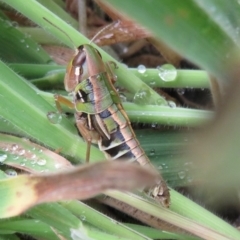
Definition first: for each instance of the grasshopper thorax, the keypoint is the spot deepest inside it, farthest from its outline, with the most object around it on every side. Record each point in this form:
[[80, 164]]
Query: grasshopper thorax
[[86, 62]]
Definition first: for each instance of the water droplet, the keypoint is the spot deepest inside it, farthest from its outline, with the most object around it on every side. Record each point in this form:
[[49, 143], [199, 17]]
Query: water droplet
[[152, 152], [152, 83], [6, 149], [123, 97], [40, 150], [33, 156], [172, 104], [54, 117], [14, 147], [83, 217], [153, 125], [3, 157], [160, 167], [181, 91], [15, 157], [11, 172], [22, 163], [167, 72], [189, 179], [22, 40], [142, 96], [21, 152], [41, 162], [141, 69], [15, 24], [159, 102], [182, 174], [33, 161]]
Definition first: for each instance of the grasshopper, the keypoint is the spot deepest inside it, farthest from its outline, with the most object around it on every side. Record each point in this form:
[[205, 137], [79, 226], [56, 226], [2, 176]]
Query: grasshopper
[[100, 117], [99, 114]]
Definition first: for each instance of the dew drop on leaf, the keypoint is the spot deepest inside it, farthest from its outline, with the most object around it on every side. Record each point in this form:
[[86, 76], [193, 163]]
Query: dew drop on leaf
[[54, 117], [181, 91], [172, 104], [123, 97], [167, 72], [152, 152], [10, 172], [3, 157], [83, 217], [41, 162], [15, 24], [14, 147], [21, 152], [142, 96], [15, 157], [141, 69], [182, 174]]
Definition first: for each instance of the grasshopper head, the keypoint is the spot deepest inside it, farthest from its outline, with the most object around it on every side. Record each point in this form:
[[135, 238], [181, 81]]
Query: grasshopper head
[[86, 62]]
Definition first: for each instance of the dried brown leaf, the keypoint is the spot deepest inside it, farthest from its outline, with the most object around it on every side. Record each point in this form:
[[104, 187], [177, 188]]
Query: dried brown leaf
[[81, 183]]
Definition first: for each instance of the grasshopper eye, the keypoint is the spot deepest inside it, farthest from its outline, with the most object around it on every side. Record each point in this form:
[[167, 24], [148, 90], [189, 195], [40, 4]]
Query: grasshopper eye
[[79, 59]]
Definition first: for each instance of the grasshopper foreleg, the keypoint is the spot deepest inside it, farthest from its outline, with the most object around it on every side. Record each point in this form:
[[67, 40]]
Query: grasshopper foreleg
[[60, 100], [83, 122]]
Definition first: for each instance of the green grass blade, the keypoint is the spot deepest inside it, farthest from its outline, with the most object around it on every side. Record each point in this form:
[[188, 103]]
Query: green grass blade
[[205, 224], [17, 47], [65, 32], [185, 78], [158, 234], [199, 38], [67, 224], [97, 219], [225, 14], [56, 9], [24, 108], [32, 227], [153, 114]]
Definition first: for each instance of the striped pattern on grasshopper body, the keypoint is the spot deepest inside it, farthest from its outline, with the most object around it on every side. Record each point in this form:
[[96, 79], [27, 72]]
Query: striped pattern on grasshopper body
[[100, 117]]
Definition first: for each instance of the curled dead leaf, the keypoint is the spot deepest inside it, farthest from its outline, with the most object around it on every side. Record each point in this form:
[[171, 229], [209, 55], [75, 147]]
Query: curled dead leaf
[[79, 183]]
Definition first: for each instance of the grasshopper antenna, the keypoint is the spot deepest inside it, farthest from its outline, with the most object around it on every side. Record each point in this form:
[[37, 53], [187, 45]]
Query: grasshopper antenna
[[61, 31], [103, 29]]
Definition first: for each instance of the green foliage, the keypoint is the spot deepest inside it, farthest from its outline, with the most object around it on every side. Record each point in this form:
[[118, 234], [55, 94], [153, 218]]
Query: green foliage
[[204, 31]]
